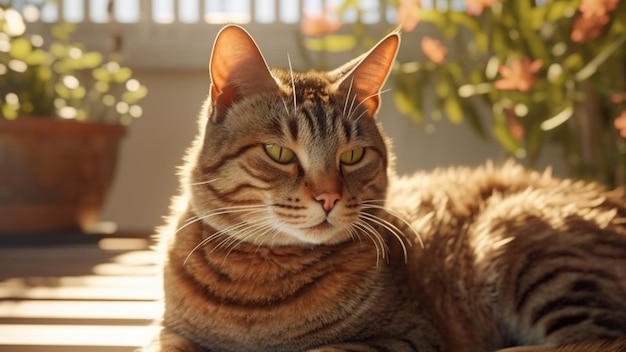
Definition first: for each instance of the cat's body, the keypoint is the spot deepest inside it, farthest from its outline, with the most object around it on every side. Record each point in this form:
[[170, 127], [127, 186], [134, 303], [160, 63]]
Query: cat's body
[[513, 257], [290, 236]]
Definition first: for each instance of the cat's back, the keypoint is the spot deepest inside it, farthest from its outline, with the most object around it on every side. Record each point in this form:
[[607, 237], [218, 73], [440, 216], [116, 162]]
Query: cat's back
[[462, 195], [508, 255]]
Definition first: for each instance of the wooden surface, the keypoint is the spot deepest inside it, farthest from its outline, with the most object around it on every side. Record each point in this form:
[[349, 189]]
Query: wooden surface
[[96, 295]]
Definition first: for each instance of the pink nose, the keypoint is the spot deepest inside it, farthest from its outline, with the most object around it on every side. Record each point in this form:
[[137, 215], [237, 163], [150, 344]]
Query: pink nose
[[328, 200]]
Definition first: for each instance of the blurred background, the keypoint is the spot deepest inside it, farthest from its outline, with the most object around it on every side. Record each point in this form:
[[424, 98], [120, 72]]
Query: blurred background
[[166, 45]]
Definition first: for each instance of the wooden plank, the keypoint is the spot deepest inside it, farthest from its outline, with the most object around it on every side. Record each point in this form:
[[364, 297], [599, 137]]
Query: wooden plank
[[96, 296], [65, 336], [81, 293], [75, 262], [28, 348], [73, 312]]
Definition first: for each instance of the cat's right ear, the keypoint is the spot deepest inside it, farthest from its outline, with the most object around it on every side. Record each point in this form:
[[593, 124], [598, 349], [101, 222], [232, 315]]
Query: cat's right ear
[[237, 69]]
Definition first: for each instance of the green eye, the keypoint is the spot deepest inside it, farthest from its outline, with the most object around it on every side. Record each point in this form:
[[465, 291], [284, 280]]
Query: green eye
[[280, 154], [353, 156]]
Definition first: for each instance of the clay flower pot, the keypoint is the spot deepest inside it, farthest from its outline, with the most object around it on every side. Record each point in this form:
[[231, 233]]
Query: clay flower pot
[[54, 174]]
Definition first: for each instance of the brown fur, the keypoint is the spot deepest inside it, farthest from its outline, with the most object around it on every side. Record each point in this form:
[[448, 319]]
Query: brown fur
[[322, 252]]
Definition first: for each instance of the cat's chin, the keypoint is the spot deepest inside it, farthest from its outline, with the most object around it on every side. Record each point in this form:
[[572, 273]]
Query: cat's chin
[[320, 234]]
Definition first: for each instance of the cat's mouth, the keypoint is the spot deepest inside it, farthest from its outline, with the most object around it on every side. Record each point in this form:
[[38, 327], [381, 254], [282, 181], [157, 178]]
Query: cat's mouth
[[322, 226]]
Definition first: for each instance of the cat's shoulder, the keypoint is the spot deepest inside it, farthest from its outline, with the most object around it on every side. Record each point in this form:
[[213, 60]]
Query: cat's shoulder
[[509, 172]]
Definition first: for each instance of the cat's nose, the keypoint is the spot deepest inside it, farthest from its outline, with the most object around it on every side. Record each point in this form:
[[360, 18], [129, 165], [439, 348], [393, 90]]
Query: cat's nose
[[328, 200]]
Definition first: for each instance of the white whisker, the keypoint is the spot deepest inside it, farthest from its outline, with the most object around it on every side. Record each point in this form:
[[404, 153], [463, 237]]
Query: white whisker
[[395, 214], [203, 182], [285, 105], [351, 110], [293, 84], [395, 231], [220, 211], [370, 232], [366, 99], [254, 230], [248, 209], [345, 105]]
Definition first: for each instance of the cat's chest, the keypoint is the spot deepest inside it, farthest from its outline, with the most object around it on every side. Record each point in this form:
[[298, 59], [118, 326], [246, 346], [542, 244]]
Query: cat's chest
[[262, 295]]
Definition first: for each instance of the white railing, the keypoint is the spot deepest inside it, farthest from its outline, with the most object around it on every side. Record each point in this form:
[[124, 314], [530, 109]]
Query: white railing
[[187, 11], [208, 11]]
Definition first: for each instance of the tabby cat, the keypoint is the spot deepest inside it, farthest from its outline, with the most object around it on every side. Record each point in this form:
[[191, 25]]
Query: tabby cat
[[292, 232]]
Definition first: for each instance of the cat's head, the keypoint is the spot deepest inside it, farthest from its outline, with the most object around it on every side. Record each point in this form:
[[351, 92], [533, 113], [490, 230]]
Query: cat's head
[[290, 158]]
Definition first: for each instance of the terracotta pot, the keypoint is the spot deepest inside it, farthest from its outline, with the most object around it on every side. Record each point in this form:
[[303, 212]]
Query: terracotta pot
[[54, 174]]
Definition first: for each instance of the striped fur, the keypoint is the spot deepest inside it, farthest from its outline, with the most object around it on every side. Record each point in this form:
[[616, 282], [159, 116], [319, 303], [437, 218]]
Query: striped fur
[[327, 251]]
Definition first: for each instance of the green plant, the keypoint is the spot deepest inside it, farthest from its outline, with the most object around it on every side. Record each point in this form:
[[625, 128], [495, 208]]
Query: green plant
[[548, 72], [61, 79]]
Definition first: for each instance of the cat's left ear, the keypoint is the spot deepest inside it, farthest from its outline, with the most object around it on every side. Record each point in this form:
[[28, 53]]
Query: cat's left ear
[[365, 76], [237, 69]]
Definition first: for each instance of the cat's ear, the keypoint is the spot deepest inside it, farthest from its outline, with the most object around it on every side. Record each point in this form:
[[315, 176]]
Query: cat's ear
[[237, 69], [366, 75]]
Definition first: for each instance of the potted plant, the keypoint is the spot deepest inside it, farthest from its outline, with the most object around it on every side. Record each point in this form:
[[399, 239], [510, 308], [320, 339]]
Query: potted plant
[[63, 112], [542, 72]]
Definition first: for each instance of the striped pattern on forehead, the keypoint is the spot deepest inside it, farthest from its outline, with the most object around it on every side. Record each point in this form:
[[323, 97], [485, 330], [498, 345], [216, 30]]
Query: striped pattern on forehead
[[321, 116]]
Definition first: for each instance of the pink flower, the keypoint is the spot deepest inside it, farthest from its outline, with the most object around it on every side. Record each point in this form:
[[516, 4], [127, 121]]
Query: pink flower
[[620, 124], [597, 8], [320, 23], [434, 50], [588, 28], [594, 15], [520, 75], [476, 7], [408, 14]]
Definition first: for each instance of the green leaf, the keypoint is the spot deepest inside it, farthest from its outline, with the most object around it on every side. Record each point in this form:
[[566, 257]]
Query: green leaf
[[62, 31], [132, 97], [538, 16], [442, 88], [36, 57], [503, 135], [573, 62], [453, 109], [592, 67], [557, 10], [63, 91], [101, 74], [331, 43], [44, 73], [102, 86], [471, 23], [8, 112], [123, 75], [436, 18], [405, 105], [58, 49], [91, 59], [20, 48]]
